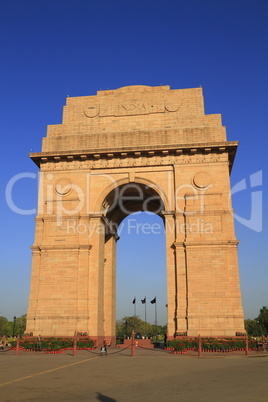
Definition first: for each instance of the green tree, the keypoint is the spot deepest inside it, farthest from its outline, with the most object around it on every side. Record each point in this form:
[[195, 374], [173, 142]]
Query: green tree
[[20, 325], [125, 327], [262, 320], [8, 328], [134, 323], [253, 328], [3, 321]]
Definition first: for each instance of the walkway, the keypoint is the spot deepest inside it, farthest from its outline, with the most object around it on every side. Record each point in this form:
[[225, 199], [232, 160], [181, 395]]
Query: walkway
[[149, 376]]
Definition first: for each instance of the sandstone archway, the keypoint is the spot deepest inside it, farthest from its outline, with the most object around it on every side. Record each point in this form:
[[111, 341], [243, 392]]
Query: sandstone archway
[[138, 141]]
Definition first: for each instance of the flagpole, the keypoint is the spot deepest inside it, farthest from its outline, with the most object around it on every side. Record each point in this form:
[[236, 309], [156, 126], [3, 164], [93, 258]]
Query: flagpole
[[145, 321], [134, 302], [155, 313], [155, 310], [145, 318]]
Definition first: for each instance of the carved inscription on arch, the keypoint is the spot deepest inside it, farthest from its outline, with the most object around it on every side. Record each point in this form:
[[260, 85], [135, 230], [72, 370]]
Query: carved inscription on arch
[[131, 108]]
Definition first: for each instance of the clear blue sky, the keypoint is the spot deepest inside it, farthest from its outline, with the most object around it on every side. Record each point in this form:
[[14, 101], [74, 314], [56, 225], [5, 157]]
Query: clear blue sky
[[51, 49]]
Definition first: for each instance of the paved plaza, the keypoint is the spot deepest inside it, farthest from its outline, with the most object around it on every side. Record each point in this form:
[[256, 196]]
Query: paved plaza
[[153, 375]]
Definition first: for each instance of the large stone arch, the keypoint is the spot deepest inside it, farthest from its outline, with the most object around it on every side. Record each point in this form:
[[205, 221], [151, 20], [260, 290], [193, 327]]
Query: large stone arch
[[100, 204], [160, 141], [132, 197]]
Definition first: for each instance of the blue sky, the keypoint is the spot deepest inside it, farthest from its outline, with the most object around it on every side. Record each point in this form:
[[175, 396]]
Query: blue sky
[[51, 49]]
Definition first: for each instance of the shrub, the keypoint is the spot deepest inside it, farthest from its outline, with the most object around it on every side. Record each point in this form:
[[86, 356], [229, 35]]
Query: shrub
[[52, 343], [212, 343]]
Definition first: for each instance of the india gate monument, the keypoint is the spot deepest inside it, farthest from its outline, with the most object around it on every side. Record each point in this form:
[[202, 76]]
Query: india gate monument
[[136, 148]]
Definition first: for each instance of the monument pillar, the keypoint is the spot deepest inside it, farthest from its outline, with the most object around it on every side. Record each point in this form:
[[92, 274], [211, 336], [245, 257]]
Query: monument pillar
[[95, 294], [109, 300]]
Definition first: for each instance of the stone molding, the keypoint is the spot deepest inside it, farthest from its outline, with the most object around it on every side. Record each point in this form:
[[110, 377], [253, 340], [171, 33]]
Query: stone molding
[[69, 247], [206, 243], [194, 153]]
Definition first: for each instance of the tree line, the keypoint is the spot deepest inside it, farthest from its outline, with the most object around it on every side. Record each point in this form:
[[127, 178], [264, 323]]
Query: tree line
[[258, 326], [12, 328], [126, 325]]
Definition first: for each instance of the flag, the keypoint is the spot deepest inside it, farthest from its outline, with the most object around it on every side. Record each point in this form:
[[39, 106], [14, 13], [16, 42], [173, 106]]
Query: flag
[[143, 300], [134, 300], [154, 300]]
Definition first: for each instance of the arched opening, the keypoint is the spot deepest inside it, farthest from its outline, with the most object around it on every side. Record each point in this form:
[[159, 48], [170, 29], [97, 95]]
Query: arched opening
[[134, 217], [141, 270], [131, 197]]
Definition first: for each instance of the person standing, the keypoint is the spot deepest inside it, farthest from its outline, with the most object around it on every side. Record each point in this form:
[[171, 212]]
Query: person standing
[[39, 343]]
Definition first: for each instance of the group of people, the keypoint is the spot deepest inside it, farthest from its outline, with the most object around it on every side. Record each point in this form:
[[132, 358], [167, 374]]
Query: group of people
[[3, 342]]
